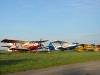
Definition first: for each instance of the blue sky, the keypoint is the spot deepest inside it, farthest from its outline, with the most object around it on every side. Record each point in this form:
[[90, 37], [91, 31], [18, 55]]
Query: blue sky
[[75, 20]]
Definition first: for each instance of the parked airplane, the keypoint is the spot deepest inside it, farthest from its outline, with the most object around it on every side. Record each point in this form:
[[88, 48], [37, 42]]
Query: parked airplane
[[19, 45], [62, 45]]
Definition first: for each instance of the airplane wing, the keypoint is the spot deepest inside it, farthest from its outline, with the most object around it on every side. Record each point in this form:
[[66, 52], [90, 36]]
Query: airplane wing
[[59, 41], [21, 49], [20, 41], [6, 46], [12, 41], [39, 41]]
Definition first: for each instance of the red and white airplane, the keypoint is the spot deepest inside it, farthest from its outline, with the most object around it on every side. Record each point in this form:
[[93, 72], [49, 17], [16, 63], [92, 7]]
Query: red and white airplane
[[19, 45]]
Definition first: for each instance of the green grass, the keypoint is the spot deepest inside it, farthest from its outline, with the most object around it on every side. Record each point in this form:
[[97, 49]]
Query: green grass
[[14, 62]]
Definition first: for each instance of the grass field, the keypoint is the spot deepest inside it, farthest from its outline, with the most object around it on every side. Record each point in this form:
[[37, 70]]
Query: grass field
[[14, 62]]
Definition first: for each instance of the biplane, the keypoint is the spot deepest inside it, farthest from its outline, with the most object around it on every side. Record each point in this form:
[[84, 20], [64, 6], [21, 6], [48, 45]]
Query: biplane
[[20, 45], [62, 45]]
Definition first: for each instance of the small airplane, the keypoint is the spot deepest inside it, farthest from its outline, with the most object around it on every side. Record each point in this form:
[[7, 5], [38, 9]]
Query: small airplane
[[19, 45], [62, 45]]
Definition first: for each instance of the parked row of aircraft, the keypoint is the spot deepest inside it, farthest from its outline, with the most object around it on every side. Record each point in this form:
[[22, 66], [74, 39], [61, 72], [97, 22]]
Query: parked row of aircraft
[[20, 45]]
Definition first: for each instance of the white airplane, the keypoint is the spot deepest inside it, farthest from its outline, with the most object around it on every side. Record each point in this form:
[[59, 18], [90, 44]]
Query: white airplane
[[62, 45]]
